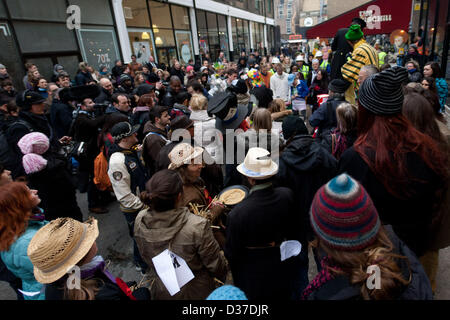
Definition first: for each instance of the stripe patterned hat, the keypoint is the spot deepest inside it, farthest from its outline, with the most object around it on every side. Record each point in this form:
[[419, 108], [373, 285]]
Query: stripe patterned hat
[[343, 215], [382, 93]]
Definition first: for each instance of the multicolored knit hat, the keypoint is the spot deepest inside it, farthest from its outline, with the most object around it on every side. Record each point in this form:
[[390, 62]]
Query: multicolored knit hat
[[343, 215], [255, 78]]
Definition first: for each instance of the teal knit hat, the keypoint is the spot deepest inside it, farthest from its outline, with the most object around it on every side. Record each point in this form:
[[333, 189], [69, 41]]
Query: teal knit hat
[[227, 292], [354, 33]]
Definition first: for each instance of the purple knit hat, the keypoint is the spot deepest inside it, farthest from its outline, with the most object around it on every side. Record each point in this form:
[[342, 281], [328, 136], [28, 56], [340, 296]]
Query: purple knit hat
[[343, 215], [34, 142]]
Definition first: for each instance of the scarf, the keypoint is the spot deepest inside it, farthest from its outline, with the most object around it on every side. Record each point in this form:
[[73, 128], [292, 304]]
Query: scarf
[[321, 278], [341, 144]]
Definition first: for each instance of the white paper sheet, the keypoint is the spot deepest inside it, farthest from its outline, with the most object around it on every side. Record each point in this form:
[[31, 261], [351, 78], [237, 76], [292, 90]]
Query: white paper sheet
[[172, 270], [290, 248]]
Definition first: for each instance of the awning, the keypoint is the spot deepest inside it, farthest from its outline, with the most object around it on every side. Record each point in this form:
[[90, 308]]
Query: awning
[[381, 16]]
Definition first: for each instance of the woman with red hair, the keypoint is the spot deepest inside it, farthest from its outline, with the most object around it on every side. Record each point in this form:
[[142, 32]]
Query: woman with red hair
[[402, 169], [20, 219]]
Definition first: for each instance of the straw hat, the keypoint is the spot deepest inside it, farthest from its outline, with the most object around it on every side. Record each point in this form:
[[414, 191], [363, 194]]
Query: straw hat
[[183, 153], [258, 165], [60, 245]]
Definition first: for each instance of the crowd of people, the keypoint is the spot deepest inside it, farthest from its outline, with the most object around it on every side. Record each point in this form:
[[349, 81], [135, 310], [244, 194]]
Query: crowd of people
[[348, 158]]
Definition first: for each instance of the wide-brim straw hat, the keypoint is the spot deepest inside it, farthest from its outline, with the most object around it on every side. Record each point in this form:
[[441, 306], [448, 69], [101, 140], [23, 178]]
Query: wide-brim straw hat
[[258, 164], [60, 245], [183, 153]]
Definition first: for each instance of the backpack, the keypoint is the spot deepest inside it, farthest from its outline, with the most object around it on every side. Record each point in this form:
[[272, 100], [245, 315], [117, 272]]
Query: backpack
[[7, 154], [101, 178]]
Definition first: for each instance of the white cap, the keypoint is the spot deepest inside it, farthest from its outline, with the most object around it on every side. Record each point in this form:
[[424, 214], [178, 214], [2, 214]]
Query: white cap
[[275, 60], [319, 54], [299, 58]]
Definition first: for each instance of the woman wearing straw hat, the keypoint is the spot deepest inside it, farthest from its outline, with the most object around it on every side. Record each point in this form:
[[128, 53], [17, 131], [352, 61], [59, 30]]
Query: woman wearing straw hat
[[353, 243], [256, 228], [188, 162], [168, 224], [20, 219], [65, 247]]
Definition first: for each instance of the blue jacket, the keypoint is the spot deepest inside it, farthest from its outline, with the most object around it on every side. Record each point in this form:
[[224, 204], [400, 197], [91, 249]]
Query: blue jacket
[[17, 261], [442, 90], [302, 89]]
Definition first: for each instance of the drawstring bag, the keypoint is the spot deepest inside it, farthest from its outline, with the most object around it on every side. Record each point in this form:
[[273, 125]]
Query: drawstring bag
[[101, 178]]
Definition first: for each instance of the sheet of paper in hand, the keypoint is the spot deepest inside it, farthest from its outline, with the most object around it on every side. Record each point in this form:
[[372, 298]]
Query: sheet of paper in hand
[[172, 270], [290, 248]]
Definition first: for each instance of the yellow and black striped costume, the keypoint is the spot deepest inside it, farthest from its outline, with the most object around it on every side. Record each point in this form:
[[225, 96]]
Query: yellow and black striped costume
[[363, 54]]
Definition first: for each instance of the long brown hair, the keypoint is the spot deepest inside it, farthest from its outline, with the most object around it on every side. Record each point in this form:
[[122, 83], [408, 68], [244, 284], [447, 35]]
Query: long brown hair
[[15, 207], [355, 265], [384, 142]]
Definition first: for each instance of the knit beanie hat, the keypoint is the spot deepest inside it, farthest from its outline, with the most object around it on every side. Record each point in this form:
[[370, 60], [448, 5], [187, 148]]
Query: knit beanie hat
[[382, 93], [227, 292], [343, 215], [34, 142], [32, 146], [354, 33]]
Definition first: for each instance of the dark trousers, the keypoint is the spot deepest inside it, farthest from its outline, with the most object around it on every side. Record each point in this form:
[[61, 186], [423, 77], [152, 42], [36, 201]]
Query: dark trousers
[[130, 217], [96, 198]]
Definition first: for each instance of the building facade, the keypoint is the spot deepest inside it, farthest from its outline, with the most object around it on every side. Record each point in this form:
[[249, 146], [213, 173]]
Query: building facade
[[44, 32]]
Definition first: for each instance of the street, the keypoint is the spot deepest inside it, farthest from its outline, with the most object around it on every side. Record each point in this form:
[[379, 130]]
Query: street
[[115, 245]]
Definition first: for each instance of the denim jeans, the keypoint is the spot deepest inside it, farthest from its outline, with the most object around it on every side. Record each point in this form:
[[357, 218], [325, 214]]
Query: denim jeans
[[130, 217]]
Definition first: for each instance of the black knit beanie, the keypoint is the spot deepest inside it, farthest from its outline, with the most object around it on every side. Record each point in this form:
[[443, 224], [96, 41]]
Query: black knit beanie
[[382, 93]]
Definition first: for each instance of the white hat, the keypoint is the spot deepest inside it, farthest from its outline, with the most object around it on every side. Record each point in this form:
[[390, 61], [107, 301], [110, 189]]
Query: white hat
[[275, 60], [319, 54], [258, 165], [299, 58], [182, 154]]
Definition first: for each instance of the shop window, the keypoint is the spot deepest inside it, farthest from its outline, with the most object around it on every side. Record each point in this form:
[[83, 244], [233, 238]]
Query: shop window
[[164, 38], [213, 35], [43, 37], [184, 46], [98, 47], [223, 35], [142, 42], [95, 12], [180, 17], [202, 33], [43, 10], [160, 14], [70, 64], [136, 14]]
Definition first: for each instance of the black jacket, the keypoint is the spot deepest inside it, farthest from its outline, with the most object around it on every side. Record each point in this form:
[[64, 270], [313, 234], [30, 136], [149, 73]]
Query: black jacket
[[104, 97], [108, 290], [325, 116], [169, 98], [61, 118], [178, 73], [83, 78], [410, 217], [265, 216], [340, 49], [86, 128], [37, 123], [304, 167], [56, 189], [340, 288]]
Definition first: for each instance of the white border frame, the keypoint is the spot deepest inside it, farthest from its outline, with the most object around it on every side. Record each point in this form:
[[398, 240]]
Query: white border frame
[[150, 30], [190, 40], [80, 40]]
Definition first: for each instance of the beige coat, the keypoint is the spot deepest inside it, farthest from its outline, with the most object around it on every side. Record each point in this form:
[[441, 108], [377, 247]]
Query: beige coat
[[191, 238]]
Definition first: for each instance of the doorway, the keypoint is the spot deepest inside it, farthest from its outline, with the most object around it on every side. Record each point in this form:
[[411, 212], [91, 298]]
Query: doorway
[[165, 55]]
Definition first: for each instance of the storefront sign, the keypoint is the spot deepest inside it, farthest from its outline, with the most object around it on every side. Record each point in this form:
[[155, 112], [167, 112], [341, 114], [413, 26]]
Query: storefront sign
[[98, 47]]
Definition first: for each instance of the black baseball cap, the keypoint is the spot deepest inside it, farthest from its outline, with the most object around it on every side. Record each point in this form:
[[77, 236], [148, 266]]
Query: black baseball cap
[[28, 98]]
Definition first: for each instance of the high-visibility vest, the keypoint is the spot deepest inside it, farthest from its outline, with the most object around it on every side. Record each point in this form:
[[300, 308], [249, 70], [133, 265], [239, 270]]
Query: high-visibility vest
[[381, 57], [324, 65], [305, 71]]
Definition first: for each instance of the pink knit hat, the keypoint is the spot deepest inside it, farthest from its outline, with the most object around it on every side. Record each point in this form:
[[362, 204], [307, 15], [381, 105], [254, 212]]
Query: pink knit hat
[[34, 142], [32, 146], [189, 68], [33, 163]]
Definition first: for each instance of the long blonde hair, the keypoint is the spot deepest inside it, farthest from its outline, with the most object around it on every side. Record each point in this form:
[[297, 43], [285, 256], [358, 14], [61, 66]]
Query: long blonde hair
[[355, 265]]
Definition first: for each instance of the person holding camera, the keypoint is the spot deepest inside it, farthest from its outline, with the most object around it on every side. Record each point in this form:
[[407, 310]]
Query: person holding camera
[[85, 130]]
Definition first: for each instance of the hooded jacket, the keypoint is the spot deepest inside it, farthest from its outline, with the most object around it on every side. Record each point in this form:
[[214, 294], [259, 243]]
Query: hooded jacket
[[304, 167], [154, 140], [190, 237]]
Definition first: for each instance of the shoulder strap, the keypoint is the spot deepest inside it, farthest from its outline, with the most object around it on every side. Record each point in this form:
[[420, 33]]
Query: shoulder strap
[[23, 123], [164, 138]]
